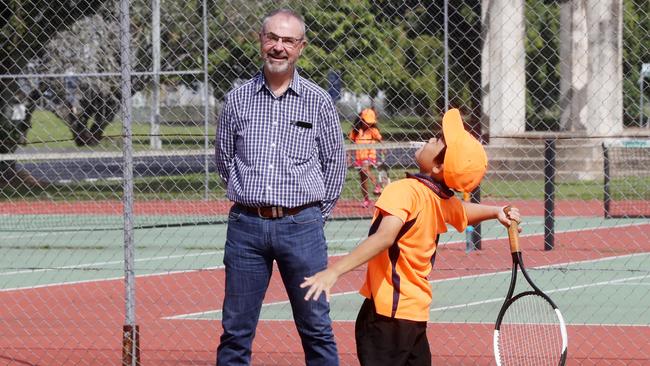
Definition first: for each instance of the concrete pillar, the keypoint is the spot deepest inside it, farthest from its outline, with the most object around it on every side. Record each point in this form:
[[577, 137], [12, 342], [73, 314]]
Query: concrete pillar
[[503, 66], [605, 89], [574, 66]]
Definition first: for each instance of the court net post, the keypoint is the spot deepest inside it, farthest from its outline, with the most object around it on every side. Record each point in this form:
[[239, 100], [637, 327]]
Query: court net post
[[475, 197], [549, 193]]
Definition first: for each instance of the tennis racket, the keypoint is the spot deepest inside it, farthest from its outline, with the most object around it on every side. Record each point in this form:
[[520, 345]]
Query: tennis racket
[[530, 329]]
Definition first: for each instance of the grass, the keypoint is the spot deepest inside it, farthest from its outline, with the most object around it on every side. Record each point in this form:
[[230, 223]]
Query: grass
[[399, 128], [50, 132], [534, 189], [192, 187]]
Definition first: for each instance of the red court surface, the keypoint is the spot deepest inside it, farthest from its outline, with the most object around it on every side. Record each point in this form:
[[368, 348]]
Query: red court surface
[[81, 324]]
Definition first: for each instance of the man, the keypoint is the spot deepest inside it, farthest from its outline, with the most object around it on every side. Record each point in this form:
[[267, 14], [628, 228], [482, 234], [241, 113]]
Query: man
[[279, 149]]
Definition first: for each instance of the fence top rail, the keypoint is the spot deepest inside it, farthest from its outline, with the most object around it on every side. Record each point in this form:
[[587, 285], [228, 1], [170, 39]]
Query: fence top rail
[[628, 143], [98, 74], [101, 154], [44, 155]]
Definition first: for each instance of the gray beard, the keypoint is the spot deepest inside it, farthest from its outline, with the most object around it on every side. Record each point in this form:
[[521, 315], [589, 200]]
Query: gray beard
[[277, 68]]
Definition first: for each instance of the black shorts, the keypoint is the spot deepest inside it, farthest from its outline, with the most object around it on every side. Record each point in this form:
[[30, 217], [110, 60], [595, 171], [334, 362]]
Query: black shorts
[[382, 340]]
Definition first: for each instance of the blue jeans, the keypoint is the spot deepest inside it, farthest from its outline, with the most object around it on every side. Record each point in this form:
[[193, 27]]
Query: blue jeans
[[297, 244]]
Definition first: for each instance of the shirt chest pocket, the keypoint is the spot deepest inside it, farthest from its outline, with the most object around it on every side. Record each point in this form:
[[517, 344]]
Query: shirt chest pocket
[[299, 140], [252, 140]]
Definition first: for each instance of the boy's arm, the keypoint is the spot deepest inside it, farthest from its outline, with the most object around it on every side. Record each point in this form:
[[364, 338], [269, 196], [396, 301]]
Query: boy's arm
[[477, 212], [383, 238]]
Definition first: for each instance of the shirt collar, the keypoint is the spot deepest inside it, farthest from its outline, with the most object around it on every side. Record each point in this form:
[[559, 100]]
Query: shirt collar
[[295, 85], [438, 188]]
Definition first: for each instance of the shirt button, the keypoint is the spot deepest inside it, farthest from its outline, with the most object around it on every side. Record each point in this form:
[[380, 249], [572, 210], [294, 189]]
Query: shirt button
[[275, 123], [273, 145], [268, 188], [270, 166]]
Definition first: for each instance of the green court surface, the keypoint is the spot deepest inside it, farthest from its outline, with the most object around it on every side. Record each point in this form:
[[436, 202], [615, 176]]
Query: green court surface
[[583, 291], [63, 252]]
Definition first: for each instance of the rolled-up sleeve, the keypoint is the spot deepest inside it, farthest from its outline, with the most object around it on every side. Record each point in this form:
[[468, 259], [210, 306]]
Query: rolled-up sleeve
[[224, 145], [332, 157]]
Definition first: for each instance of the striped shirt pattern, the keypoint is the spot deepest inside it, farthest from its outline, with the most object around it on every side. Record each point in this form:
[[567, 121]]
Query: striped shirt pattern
[[280, 151]]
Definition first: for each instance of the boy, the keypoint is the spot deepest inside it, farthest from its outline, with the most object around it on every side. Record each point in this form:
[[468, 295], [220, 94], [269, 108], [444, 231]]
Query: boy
[[410, 214]]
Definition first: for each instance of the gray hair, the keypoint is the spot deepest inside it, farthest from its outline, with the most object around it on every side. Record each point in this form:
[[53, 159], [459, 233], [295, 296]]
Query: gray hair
[[287, 12]]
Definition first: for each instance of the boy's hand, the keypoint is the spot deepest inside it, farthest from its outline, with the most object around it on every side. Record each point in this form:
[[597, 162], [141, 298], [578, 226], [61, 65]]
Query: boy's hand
[[505, 218], [382, 239], [318, 283]]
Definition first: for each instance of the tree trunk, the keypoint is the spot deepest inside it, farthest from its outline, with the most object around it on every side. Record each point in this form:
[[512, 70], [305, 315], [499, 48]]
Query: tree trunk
[[19, 46]]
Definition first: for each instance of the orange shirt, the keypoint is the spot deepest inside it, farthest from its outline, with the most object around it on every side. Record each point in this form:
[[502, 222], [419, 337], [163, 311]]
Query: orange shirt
[[366, 136], [396, 278]]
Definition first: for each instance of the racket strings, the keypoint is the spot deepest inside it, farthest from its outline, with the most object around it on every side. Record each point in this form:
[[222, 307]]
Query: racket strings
[[530, 333]]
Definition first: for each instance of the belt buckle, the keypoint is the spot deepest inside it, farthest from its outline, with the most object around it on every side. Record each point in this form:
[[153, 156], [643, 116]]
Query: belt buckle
[[259, 213], [276, 212]]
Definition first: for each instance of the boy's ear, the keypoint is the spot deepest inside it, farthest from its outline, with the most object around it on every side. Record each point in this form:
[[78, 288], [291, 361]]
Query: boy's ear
[[437, 168]]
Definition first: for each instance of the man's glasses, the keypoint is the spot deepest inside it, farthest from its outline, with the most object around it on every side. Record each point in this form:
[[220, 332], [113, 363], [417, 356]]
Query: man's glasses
[[287, 42]]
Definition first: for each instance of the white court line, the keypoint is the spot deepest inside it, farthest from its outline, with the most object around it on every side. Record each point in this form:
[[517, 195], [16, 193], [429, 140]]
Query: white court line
[[77, 266], [73, 230], [505, 235], [190, 315], [219, 267], [23, 236], [110, 278], [602, 283], [121, 278]]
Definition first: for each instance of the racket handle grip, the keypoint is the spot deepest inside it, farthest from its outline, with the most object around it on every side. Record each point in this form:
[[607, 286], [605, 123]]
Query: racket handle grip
[[513, 232]]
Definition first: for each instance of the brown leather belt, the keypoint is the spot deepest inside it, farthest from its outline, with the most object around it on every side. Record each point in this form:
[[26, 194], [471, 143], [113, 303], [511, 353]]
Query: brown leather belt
[[273, 212]]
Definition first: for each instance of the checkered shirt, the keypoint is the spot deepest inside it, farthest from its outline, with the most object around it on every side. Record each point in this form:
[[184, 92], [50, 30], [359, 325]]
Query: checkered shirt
[[280, 151]]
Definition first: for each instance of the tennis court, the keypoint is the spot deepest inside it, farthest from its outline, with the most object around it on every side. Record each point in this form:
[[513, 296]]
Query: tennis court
[[112, 215], [602, 291]]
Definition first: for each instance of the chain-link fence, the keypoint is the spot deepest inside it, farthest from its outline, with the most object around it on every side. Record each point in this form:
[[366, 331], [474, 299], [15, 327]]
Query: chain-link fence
[[113, 219]]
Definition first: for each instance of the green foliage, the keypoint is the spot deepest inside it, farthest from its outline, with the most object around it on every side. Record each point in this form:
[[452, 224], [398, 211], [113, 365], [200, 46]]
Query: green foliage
[[383, 45], [396, 47], [636, 51], [371, 52], [26, 27]]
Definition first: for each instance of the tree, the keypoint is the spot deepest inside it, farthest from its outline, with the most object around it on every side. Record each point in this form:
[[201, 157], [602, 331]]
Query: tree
[[425, 23], [636, 17], [372, 51], [89, 46], [27, 26]]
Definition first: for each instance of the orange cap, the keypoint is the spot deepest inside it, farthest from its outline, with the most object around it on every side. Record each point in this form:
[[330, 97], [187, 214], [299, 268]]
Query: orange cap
[[368, 116], [465, 160]]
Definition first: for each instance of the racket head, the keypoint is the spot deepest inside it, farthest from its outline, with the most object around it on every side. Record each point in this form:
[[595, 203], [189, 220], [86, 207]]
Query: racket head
[[530, 330]]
